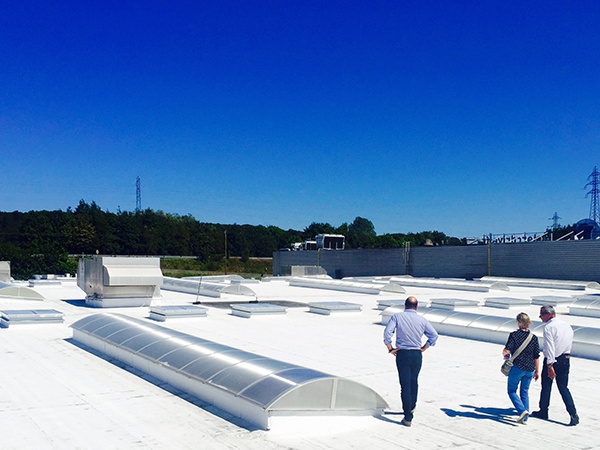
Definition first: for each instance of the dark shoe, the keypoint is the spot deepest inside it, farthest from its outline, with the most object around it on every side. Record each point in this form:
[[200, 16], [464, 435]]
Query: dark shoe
[[540, 415], [574, 420], [406, 423]]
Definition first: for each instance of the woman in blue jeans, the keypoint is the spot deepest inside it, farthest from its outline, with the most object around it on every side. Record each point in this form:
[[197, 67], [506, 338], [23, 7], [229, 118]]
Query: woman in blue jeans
[[525, 366]]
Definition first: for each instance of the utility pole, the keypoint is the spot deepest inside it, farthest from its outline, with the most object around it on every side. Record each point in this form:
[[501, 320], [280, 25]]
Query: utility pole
[[594, 182], [225, 252], [555, 220], [138, 195]]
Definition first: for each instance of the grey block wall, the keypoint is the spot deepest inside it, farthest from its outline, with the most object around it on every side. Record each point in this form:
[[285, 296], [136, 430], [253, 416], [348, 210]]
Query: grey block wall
[[449, 262], [344, 263], [567, 260]]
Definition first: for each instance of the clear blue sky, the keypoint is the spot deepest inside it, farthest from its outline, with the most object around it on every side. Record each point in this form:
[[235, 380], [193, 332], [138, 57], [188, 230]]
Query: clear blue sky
[[466, 117]]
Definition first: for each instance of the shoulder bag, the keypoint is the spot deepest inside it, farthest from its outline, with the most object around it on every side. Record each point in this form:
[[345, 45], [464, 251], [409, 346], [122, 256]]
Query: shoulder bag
[[507, 365]]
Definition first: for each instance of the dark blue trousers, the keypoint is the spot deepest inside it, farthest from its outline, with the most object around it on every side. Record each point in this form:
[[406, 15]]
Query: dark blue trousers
[[561, 368], [409, 364]]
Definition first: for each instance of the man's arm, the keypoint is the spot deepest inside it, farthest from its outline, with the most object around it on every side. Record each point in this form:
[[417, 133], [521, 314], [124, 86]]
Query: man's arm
[[388, 333], [431, 334], [550, 349], [549, 344]]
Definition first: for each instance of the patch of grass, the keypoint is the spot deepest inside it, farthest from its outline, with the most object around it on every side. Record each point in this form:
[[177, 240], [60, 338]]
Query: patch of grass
[[251, 268]]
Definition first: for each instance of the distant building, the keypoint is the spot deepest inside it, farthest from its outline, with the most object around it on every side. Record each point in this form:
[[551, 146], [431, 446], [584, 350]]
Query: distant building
[[309, 245], [330, 241]]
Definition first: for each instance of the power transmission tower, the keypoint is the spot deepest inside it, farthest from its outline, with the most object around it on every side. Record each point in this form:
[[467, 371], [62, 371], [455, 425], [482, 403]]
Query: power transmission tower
[[138, 194], [555, 220], [594, 182]]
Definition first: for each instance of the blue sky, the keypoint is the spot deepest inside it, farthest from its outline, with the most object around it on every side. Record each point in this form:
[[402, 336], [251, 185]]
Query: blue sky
[[468, 117]]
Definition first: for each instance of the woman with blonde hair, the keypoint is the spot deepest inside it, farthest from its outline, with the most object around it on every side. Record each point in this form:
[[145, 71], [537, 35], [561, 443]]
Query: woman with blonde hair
[[525, 365]]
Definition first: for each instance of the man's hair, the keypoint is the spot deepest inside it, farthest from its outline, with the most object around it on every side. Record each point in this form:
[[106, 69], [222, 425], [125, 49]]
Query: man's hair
[[549, 309], [411, 303]]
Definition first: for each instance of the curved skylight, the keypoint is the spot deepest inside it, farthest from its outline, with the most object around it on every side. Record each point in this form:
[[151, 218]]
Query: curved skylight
[[586, 340], [205, 288], [245, 384], [15, 291]]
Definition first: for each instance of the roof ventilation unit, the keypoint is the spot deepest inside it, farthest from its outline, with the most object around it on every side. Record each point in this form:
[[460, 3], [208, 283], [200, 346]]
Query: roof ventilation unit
[[115, 281]]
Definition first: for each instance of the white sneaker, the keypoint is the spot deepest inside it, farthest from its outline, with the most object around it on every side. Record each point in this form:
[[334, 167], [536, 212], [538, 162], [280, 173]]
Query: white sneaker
[[522, 418]]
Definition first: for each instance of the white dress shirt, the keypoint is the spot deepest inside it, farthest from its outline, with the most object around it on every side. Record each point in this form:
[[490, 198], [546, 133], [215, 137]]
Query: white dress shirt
[[558, 338]]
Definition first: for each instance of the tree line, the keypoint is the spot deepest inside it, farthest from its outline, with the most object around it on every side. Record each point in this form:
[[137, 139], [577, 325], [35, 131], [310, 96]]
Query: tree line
[[38, 242]]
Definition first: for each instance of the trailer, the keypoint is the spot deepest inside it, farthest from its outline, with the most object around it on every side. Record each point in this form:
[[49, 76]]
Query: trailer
[[330, 241]]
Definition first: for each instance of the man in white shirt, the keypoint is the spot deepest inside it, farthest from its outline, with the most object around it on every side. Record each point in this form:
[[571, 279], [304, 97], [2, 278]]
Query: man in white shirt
[[558, 339], [409, 328]]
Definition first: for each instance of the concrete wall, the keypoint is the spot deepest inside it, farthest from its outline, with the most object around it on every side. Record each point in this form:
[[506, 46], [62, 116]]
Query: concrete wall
[[567, 260]]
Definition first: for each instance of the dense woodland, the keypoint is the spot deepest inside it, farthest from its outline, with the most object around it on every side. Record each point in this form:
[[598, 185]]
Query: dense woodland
[[38, 242]]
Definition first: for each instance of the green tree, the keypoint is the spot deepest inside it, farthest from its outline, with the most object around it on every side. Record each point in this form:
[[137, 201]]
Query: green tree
[[388, 241], [315, 228], [361, 233]]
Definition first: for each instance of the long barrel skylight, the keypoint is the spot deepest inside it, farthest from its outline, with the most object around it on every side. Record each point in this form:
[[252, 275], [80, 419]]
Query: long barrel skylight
[[244, 384]]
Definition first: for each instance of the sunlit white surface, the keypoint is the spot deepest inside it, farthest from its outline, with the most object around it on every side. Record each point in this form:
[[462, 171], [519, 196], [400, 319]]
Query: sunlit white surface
[[58, 395]]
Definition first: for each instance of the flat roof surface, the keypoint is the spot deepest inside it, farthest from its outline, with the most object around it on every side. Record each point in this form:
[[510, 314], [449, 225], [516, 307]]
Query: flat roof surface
[[55, 393]]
